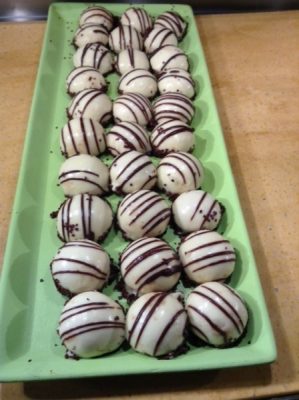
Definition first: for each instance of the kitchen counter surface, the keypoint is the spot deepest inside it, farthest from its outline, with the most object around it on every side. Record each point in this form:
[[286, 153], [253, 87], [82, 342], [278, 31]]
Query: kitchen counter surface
[[254, 63]]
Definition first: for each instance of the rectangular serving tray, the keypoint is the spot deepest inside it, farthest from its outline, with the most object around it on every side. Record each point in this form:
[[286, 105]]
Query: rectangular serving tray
[[29, 303]]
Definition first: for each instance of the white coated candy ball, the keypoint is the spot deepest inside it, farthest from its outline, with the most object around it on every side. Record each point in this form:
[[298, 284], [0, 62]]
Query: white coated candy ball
[[129, 59], [85, 78]]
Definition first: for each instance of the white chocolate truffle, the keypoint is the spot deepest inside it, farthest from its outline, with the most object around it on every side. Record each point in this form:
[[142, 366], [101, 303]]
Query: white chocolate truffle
[[149, 265], [82, 136], [91, 33], [93, 104], [127, 136], [85, 78], [91, 324], [83, 174], [173, 21], [176, 81], [130, 59], [138, 18], [159, 37], [138, 81], [80, 266], [172, 135], [156, 323], [179, 172], [173, 106], [217, 314], [133, 107], [207, 256], [97, 15], [84, 216], [123, 37], [168, 57], [196, 210], [143, 213], [94, 55], [132, 171]]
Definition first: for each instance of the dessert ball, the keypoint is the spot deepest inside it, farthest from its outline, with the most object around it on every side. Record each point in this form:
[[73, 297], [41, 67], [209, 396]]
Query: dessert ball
[[168, 57], [179, 172], [196, 210], [132, 171], [80, 266], [91, 33], [176, 81], [123, 37], [84, 216], [207, 256], [94, 55], [156, 323], [138, 18], [97, 15], [85, 78], [173, 106], [159, 37], [173, 21], [172, 135], [133, 107], [82, 136], [143, 213], [130, 59], [83, 174], [217, 314], [138, 81], [93, 104], [149, 265], [127, 136], [91, 324]]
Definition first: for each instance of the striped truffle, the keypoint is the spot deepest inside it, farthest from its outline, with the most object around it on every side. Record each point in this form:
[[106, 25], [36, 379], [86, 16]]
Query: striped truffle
[[176, 81], [123, 37], [196, 210], [84, 216], [159, 37], [82, 78], [133, 107], [82, 136], [91, 103], [91, 324], [80, 266], [138, 81], [207, 256], [217, 314], [149, 265], [172, 135], [138, 18], [171, 20], [97, 15], [94, 55], [132, 171], [143, 213], [91, 33], [156, 323], [179, 172], [130, 59], [127, 136], [173, 106], [168, 57]]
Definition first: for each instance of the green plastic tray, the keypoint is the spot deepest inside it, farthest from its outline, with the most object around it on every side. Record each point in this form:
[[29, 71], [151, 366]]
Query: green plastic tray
[[29, 303]]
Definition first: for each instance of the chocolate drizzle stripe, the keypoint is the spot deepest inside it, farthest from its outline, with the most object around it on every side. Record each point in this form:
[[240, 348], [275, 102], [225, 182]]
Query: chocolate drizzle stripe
[[134, 172], [199, 204], [202, 246], [87, 245], [146, 207], [123, 103], [94, 136], [146, 183], [169, 74], [72, 138], [77, 171], [131, 198], [94, 303], [151, 196], [95, 12], [211, 255], [84, 135], [233, 292], [86, 309], [207, 215], [137, 246], [163, 266], [163, 163], [199, 332], [172, 114], [72, 76], [159, 137], [190, 164], [163, 215], [138, 136], [80, 262], [92, 326], [212, 264], [198, 233], [173, 57], [77, 272], [128, 165]]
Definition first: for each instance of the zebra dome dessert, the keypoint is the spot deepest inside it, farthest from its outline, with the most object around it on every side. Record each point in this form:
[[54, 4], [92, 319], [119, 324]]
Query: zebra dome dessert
[[82, 78], [159, 37], [124, 37], [97, 15], [172, 21], [138, 81], [173, 106], [138, 18], [133, 107], [168, 57], [130, 59], [94, 55], [91, 33], [176, 81]]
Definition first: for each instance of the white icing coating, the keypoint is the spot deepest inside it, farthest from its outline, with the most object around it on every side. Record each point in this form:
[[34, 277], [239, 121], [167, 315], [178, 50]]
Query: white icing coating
[[83, 174], [94, 55], [129, 59], [84, 216], [80, 266], [179, 172], [196, 210], [138, 18], [82, 136], [85, 78], [127, 136], [143, 213], [173, 21], [159, 37], [124, 37], [91, 33], [168, 57], [138, 81], [132, 171], [207, 256], [176, 81], [172, 135], [217, 314], [173, 106], [91, 324], [155, 323], [149, 265], [97, 15], [91, 103], [133, 107]]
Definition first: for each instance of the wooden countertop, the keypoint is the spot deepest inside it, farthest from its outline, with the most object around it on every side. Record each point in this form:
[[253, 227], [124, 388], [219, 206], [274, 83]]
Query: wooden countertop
[[254, 63]]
